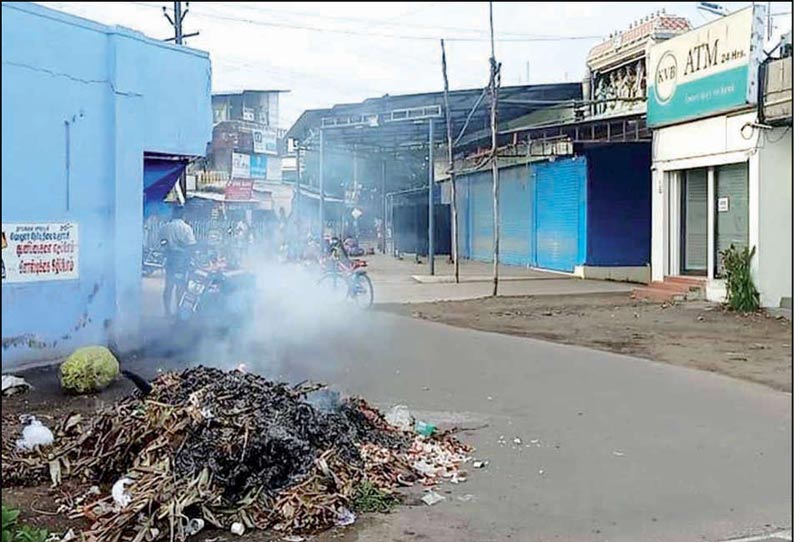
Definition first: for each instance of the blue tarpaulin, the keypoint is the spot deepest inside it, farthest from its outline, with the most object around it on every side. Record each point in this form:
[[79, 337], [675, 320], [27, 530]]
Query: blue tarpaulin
[[159, 177]]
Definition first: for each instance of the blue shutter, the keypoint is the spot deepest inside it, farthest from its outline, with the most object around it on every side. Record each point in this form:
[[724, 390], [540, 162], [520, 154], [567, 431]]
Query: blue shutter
[[515, 210], [560, 220], [481, 217]]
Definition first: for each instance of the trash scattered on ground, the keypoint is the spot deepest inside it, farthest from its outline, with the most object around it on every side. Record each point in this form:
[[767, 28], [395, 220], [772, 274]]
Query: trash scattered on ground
[[238, 528], [433, 498], [13, 384], [618, 453], [293, 538], [517, 441], [425, 429], [89, 369], [479, 464], [234, 450], [541, 472], [194, 526], [466, 498], [34, 435], [400, 417], [345, 517], [121, 496]]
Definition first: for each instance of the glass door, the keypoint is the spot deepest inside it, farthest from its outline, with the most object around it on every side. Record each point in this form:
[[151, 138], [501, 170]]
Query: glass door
[[694, 226]]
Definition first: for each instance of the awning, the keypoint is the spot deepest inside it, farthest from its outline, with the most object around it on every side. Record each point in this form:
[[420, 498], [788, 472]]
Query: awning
[[159, 177]]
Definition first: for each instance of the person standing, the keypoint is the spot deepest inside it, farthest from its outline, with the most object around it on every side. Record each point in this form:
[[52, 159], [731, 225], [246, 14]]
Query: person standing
[[179, 238]]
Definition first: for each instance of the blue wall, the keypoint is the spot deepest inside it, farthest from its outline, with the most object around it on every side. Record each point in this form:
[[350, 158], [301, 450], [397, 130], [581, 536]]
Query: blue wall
[[619, 205], [119, 95]]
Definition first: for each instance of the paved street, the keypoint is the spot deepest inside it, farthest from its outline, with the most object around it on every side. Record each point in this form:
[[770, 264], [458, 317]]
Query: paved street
[[613, 448]]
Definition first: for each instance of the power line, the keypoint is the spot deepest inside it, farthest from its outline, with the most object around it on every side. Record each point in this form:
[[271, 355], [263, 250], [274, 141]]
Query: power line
[[378, 34], [376, 22]]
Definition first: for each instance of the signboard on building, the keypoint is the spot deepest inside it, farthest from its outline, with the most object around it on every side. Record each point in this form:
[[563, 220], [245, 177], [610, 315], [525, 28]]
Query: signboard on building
[[710, 70], [239, 190], [265, 141], [241, 165], [40, 252], [258, 166]]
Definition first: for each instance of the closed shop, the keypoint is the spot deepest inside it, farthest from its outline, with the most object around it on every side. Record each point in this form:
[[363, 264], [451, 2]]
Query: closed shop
[[560, 216], [481, 216], [515, 200]]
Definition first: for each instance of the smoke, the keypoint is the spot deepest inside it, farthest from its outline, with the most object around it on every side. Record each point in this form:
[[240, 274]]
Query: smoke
[[281, 325]]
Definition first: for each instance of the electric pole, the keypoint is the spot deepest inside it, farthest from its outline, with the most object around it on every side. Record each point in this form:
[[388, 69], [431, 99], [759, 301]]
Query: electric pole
[[179, 37], [494, 90], [176, 22]]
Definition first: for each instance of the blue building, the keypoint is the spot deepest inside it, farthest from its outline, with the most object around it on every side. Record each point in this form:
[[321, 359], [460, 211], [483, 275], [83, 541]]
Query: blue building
[[98, 122], [586, 212]]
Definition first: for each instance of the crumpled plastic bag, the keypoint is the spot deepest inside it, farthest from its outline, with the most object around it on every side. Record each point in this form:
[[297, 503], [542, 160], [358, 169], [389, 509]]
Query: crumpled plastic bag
[[121, 496], [400, 417], [88, 369], [13, 384], [35, 434]]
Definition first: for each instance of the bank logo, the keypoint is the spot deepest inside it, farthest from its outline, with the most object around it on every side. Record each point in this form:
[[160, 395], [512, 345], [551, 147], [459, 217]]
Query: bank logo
[[666, 78]]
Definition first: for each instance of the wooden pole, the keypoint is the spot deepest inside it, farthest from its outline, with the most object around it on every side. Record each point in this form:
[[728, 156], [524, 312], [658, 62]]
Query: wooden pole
[[494, 164], [450, 153]]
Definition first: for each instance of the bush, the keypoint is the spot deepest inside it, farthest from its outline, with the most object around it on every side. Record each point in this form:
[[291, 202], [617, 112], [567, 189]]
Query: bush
[[742, 295]]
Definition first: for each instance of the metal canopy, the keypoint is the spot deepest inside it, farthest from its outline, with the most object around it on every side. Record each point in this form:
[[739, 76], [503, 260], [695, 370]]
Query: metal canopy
[[392, 123]]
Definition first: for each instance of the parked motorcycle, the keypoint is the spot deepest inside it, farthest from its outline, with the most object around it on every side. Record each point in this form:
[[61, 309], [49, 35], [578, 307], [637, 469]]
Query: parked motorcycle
[[154, 259], [215, 299]]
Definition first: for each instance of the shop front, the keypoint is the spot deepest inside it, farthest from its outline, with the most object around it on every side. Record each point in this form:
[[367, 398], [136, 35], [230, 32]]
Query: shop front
[[720, 178]]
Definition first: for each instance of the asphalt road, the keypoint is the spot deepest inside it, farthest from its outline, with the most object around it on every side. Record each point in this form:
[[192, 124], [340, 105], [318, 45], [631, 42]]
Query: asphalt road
[[612, 448]]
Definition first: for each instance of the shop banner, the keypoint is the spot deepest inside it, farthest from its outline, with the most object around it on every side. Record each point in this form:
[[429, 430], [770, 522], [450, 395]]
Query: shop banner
[[265, 141], [259, 166], [710, 70], [239, 190], [40, 252], [241, 165]]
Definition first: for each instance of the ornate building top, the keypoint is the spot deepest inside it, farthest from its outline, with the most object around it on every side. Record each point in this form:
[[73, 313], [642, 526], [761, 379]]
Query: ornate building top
[[620, 46]]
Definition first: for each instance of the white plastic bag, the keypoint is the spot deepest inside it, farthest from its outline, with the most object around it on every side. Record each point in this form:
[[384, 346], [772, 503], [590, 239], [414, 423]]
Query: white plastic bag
[[121, 496], [400, 417], [35, 434]]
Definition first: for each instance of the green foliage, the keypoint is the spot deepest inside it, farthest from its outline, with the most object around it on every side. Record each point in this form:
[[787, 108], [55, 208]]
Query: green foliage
[[14, 532], [742, 295], [368, 498]]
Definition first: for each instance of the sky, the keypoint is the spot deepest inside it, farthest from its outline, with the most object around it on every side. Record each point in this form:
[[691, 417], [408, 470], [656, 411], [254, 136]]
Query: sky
[[339, 52]]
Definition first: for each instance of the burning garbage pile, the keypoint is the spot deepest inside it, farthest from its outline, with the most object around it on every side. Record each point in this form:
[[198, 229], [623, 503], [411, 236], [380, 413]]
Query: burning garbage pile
[[232, 450]]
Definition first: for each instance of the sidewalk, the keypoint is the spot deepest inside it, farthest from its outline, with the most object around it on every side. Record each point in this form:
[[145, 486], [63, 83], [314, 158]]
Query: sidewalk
[[404, 281]]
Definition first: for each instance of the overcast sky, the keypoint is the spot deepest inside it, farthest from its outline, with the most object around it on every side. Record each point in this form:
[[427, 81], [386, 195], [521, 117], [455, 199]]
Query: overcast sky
[[334, 52]]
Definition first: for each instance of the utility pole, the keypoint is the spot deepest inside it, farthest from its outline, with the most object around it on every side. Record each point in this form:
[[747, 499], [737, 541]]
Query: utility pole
[[383, 195], [450, 158], [322, 185], [297, 208], [176, 23], [431, 253], [494, 163]]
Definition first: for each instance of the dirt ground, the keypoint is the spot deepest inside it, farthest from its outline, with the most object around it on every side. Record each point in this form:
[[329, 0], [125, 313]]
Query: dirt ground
[[755, 347]]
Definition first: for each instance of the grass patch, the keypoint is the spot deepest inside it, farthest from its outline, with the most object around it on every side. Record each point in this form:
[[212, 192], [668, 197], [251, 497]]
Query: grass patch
[[368, 498]]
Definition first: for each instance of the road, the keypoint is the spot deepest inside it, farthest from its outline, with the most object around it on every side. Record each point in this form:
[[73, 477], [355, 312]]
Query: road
[[612, 448]]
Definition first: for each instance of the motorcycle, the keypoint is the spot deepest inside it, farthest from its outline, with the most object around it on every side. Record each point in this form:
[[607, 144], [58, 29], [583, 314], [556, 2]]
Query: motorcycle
[[154, 259], [347, 277], [214, 298]]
